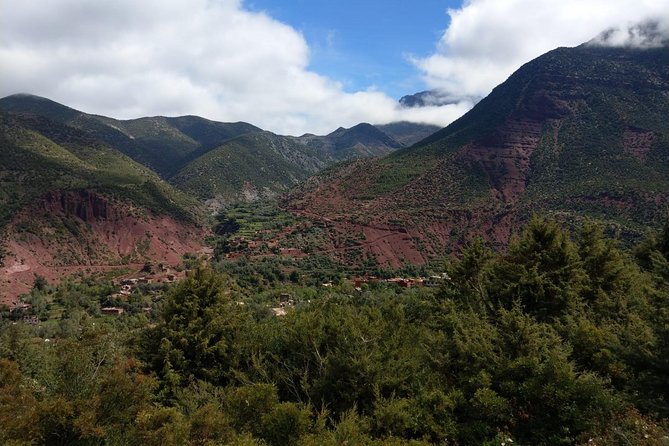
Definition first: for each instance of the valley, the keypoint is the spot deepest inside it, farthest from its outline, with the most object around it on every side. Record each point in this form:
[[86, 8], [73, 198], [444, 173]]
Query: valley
[[501, 280]]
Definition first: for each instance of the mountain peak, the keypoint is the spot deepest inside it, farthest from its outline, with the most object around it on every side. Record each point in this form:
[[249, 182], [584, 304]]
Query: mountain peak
[[38, 105]]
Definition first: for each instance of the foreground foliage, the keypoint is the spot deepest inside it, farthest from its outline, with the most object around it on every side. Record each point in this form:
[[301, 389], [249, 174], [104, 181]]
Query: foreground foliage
[[564, 339]]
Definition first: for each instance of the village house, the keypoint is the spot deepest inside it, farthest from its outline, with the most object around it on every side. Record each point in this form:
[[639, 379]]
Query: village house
[[113, 311], [401, 282], [436, 280], [31, 319], [359, 281]]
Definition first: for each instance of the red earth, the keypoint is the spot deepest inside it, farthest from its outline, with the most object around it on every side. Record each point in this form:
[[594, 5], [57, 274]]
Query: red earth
[[65, 233]]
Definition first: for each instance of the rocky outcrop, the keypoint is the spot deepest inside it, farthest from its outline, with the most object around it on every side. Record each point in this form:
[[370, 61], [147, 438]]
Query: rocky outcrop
[[84, 204]]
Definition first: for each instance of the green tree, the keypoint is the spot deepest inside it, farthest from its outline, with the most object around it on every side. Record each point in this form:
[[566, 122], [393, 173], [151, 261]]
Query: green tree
[[195, 336], [543, 271], [470, 277]]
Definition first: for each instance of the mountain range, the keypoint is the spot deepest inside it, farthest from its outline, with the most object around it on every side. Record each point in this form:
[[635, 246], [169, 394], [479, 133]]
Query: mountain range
[[223, 161], [578, 133], [86, 191]]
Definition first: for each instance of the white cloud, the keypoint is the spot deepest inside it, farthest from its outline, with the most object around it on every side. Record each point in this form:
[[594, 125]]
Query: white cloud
[[125, 59], [214, 58], [487, 40], [649, 34]]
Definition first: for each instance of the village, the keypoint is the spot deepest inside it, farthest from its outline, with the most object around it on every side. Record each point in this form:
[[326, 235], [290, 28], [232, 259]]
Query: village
[[286, 301], [153, 277]]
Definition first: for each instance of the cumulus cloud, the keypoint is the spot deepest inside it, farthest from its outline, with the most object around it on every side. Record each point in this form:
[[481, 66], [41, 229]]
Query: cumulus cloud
[[217, 59], [213, 58], [487, 40], [648, 34]]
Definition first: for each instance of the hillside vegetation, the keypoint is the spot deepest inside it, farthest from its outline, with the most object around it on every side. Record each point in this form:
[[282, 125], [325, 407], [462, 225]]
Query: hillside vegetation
[[562, 341], [218, 161], [38, 155]]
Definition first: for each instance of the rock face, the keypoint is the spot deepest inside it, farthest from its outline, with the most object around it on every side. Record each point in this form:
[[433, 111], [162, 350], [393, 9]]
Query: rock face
[[576, 133], [84, 204], [65, 232], [505, 157]]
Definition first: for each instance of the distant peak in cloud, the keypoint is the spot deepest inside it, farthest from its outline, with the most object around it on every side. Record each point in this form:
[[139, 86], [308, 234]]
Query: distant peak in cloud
[[647, 34], [434, 98]]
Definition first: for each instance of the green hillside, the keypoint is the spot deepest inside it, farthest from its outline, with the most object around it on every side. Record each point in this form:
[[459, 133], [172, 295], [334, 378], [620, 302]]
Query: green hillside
[[260, 164], [162, 144], [246, 160], [588, 103], [38, 155]]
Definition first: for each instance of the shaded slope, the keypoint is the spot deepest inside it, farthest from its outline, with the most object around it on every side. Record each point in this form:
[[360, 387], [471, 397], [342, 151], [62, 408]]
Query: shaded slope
[[264, 164], [250, 166], [162, 144]]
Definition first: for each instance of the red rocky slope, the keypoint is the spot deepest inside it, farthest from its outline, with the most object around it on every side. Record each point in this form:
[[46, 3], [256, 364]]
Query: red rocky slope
[[66, 232]]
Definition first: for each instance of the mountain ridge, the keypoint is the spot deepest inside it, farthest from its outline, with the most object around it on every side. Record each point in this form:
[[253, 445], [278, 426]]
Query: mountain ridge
[[69, 202], [173, 146]]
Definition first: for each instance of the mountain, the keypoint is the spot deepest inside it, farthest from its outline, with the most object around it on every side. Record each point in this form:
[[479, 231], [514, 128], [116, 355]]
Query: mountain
[[69, 202], [366, 140], [408, 133], [434, 98], [81, 191], [264, 164], [223, 162], [162, 144], [427, 98], [362, 140], [248, 167], [578, 132]]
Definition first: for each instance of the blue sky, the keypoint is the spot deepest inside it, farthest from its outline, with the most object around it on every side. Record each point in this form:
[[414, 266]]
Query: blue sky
[[365, 43]]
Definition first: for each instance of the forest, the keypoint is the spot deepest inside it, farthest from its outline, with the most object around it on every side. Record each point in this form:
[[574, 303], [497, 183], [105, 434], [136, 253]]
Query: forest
[[562, 339]]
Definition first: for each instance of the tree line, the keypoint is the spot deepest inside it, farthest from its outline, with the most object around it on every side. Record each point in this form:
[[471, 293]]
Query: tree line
[[561, 339]]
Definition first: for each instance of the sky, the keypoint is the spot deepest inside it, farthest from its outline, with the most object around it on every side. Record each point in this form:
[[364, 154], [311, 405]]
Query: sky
[[290, 66]]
